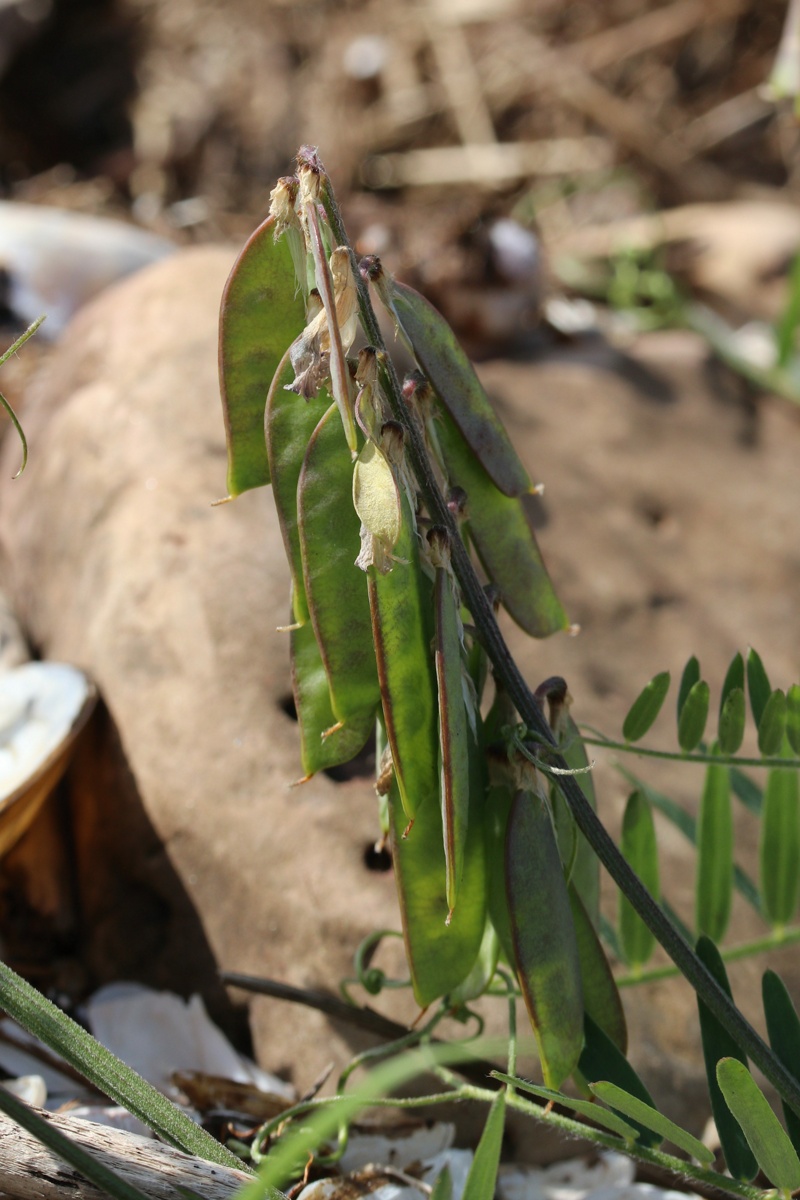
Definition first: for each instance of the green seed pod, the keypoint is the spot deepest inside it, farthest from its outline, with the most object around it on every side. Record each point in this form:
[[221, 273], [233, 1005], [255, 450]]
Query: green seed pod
[[323, 742], [335, 590], [401, 604], [454, 739], [503, 539], [260, 316], [289, 424], [440, 956], [544, 938]]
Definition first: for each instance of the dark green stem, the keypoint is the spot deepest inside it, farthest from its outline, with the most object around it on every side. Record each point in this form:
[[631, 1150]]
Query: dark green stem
[[508, 673]]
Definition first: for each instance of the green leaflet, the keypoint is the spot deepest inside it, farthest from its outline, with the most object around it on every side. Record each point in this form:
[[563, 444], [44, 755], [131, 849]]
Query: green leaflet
[[601, 998], [454, 734], [734, 678], [289, 422], [641, 850], [765, 1135], [693, 717], [442, 359], [646, 707], [780, 846], [595, 1113], [690, 676], [315, 716], [543, 935], [793, 717], [717, 1044], [772, 725], [633, 1107], [260, 316], [503, 539], [482, 1177], [443, 1188], [714, 888], [401, 606], [440, 956], [731, 721], [335, 588], [601, 1060], [783, 1028], [757, 685]]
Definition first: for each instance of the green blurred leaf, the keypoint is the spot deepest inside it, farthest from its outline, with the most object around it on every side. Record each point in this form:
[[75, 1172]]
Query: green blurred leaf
[[601, 1060], [443, 1188], [544, 938], [772, 725], [793, 717], [734, 678], [779, 850], [260, 316], [731, 721], [717, 1044], [646, 708], [586, 1108], [645, 1114], [746, 790], [482, 1177], [639, 847], [694, 714], [757, 685], [690, 676], [783, 1029], [714, 888], [765, 1135]]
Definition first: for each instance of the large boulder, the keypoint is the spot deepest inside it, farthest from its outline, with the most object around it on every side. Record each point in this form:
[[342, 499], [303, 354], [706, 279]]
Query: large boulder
[[664, 525]]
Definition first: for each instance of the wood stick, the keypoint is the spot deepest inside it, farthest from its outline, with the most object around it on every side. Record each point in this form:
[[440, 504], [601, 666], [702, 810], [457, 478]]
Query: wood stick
[[28, 1171]]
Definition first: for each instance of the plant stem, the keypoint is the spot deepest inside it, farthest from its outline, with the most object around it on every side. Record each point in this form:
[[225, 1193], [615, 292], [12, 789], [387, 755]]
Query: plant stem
[[724, 760], [775, 940], [508, 674]]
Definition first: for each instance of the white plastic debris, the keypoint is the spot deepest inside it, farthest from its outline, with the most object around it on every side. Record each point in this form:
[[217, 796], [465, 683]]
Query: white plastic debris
[[42, 707], [56, 260], [30, 1088], [397, 1147], [157, 1033]]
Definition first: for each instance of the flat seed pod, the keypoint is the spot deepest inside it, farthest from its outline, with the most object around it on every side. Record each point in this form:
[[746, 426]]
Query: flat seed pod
[[498, 808], [632, 1107], [793, 717], [453, 377], [482, 972], [717, 1044], [315, 716], [641, 850], [440, 956], [772, 724], [544, 939], [454, 735], [780, 846], [783, 1028], [260, 317], [646, 707], [731, 721], [757, 686], [766, 1137], [504, 540], [693, 717], [601, 998], [714, 888], [401, 605], [289, 423], [335, 588], [601, 1060], [585, 875]]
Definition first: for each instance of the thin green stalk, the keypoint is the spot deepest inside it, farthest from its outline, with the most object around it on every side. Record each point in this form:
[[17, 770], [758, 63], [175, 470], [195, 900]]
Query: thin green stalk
[[732, 760], [775, 940], [113, 1077], [508, 673]]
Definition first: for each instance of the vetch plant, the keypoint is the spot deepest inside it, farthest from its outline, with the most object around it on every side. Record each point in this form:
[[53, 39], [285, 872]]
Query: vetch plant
[[385, 490]]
